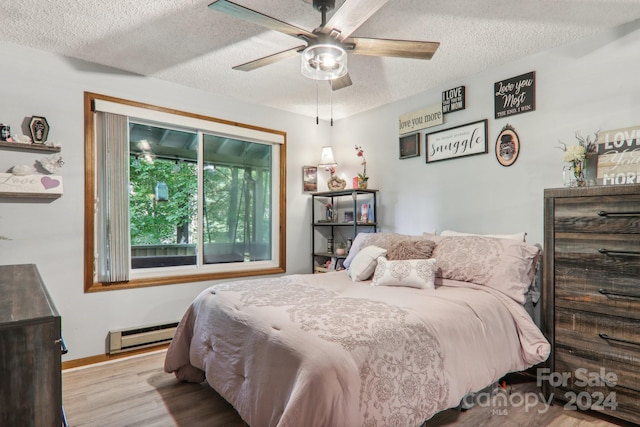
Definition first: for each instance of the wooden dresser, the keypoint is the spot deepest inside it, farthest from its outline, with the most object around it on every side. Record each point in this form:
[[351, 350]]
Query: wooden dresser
[[30, 342], [591, 298]]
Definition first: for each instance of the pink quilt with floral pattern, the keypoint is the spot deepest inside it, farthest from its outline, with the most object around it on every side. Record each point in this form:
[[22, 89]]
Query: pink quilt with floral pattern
[[321, 350]]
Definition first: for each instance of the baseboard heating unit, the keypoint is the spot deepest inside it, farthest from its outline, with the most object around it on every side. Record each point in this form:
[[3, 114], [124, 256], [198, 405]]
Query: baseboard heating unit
[[143, 336]]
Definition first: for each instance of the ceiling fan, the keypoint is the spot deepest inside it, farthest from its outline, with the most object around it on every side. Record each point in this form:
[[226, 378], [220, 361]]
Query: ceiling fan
[[324, 54]]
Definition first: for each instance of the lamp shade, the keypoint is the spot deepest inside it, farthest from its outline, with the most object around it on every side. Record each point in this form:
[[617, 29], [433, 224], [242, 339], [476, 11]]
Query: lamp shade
[[326, 157], [324, 61]]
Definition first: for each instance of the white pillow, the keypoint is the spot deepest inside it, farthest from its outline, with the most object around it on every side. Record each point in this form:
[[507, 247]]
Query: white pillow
[[413, 273], [364, 263], [355, 247], [520, 237]]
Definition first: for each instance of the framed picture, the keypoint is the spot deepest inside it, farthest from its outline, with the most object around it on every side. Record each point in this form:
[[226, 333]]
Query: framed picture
[[310, 178], [460, 141], [348, 216], [507, 146], [39, 129], [410, 146]]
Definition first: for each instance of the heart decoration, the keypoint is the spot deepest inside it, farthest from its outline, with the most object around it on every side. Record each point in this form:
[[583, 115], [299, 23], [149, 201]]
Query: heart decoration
[[49, 182]]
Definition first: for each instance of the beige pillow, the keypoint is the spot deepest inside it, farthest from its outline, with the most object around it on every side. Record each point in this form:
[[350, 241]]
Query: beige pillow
[[411, 249], [364, 263], [382, 240], [386, 240], [505, 265], [413, 273], [520, 237]]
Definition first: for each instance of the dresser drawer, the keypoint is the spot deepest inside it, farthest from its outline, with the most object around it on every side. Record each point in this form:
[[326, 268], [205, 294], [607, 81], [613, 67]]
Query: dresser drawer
[[598, 272], [586, 378], [598, 214], [627, 394], [598, 336]]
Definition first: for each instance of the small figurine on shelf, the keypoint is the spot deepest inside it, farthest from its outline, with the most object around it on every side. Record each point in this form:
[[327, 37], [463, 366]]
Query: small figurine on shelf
[[5, 133], [364, 213], [328, 212], [334, 183], [51, 164]]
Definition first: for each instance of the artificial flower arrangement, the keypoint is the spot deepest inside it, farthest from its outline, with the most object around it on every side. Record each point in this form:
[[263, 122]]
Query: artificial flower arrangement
[[576, 154], [362, 177]]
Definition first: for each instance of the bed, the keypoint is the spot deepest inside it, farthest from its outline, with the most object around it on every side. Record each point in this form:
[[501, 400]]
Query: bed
[[339, 349]]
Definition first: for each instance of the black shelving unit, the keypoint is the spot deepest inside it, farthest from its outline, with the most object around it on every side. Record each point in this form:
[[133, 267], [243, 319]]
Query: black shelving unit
[[341, 226]]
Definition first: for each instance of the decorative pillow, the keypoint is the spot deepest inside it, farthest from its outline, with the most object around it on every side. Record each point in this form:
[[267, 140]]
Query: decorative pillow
[[360, 239], [386, 240], [382, 240], [505, 265], [413, 273], [520, 237], [364, 263], [411, 249]]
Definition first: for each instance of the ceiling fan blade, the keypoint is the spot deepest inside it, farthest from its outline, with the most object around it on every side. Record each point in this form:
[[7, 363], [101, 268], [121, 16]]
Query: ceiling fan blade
[[340, 82], [397, 48], [257, 63], [350, 16], [252, 16]]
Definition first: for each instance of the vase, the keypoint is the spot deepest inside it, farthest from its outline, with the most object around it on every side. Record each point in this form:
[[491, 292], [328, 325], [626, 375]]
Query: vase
[[573, 174], [590, 170], [578, 172], [363, 185]]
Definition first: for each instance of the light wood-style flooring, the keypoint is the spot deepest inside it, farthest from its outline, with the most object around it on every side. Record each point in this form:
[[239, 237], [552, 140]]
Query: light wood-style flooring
[[135, 391]]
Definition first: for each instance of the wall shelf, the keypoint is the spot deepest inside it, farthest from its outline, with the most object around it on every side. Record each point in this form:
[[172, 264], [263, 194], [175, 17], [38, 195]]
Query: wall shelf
[[30, 147]]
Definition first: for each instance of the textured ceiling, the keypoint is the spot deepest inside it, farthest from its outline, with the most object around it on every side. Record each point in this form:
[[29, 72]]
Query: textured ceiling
[[183, 41]]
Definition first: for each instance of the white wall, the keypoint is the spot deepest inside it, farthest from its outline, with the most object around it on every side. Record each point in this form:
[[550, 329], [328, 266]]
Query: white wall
[[587, 86], [50, 234]]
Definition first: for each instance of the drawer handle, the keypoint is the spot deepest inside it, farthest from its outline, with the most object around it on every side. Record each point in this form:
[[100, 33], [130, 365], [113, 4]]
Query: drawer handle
[[606, 214], [617, 294], [608, 338], [612, 385], [63, 346], [608, 252]]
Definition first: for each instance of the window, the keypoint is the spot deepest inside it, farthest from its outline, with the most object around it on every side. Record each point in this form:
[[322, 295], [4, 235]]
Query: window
[[175, 197]]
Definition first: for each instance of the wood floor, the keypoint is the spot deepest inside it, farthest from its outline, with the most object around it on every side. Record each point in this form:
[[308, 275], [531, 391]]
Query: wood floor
[[136, 392]]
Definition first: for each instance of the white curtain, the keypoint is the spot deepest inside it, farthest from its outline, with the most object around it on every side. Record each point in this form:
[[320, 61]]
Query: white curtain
[[112, 204]]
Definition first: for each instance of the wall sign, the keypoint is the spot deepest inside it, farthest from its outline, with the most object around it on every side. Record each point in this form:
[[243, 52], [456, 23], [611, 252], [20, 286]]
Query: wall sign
[[413, 122], [619, 156], [30, 184], [515, 95], [459, 141], [453, 100]]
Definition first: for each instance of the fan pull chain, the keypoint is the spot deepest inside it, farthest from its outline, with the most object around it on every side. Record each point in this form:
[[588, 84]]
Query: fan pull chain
[[317, 108], [331, 105]]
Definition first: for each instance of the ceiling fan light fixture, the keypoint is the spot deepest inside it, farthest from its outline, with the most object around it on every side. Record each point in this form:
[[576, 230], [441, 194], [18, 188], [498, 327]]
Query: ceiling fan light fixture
[[324, 61]]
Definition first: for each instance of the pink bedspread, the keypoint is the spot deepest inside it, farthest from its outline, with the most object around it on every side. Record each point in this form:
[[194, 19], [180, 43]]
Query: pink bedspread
[[321, 350]]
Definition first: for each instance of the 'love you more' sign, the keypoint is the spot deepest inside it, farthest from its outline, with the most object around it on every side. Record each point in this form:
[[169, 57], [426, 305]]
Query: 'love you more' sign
[[619, 156]]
